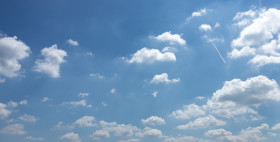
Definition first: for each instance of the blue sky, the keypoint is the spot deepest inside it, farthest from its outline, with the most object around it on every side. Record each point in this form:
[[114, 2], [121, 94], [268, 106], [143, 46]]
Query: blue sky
[[139, 71]]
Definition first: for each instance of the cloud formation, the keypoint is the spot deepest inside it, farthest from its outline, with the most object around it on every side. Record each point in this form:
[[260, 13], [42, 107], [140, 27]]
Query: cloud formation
[[163, 78], [153, 120], [12, 51], [146, 55], [172, 39], [50, 65]]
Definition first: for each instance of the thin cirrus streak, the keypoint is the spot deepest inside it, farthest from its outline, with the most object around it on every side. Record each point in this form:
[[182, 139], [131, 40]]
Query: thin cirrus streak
[[217, 51]]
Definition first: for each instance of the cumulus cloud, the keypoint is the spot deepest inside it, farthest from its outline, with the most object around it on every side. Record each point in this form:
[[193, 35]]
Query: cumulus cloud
[[150, 132], [163, 78], [155, 94], [153, 120], [13, 129], [217, 133], [34, 138], [50, 65], [98, 134], [130, 140], [12, 51], [172, 39], [23, 102], [72, 42], [85, 121], [245, 51], [182, 139], [276, 127], [28, 118], [188, 112], [4, 112], [72, 137], [202, 122], [236, 96], [169, 49], [146, 55], [12, 104], [199, 13], [205, 27], [259, 37]]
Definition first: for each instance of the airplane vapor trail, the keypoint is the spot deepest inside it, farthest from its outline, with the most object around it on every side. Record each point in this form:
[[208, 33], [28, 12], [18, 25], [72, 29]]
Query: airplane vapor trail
[[218, 51]]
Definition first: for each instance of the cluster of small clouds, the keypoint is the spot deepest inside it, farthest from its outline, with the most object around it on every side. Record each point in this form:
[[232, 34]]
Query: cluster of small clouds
[[13, 50], [259, 37], [81, 103]]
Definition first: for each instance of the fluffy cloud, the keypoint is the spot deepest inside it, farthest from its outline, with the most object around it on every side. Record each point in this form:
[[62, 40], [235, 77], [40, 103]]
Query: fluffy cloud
[[129, 140], [188, 112], [4, 112], [199, 13], [182, 139], [12, 51], [259, 37], [23, 102], [169, 49], [205, 27], [245, 51], [153, 120], [113, 91], [276, 127], [50, 65], [171, 38], [253, 91], [202, 122], [72, 137], [163, 78], [155, 94], [72, 42], [146, 55], [85, 121], [100, 134], [217, 132], [13, 129], [34, 139], [96, 75], [150, 132], [28, 118]]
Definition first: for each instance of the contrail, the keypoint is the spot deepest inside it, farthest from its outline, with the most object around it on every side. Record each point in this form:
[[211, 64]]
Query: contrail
[[218, 51]]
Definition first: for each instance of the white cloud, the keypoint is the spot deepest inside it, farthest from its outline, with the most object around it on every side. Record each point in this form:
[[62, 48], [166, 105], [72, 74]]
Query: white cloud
[[182, 139], [23, 102], [34, 138], [12, 51], [83, 95], [276, 127], [45, 99], [153, 120], [104, 104], [260, 36], [163, 78], [72, 137], [85, 121], [236, 96], [96, 75], [202, 122], [199, 13], [172, 39], [253, 91], [200, 98], [205, 27], [130, 140], [4, 112], [217, 25], [188, 112], [245, 51], [50, 65], [72, 42], [150, 56], [100, 134], [28, 118], [169, 49], [261, 60], [113, 91], [78, 103], [155, 94], [217, 132], [150, 132], [13, 129]]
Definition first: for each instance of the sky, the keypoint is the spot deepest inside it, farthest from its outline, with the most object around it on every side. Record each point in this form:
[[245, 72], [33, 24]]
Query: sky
[[139, 71]]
